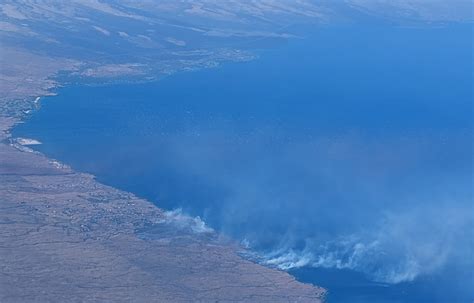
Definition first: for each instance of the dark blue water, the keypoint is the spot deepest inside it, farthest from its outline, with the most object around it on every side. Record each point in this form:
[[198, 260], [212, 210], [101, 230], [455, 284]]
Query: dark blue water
[[344, 157]]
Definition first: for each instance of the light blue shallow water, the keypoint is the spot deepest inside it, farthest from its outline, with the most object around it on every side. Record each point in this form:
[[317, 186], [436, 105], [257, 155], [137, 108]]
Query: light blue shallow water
[[349, 149]]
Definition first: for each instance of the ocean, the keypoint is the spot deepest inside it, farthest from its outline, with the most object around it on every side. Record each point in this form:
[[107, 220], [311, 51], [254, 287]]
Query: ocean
[[343, 156]]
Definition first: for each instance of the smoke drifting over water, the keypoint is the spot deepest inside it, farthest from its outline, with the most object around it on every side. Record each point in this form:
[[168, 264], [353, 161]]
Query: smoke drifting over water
[[388, 255], [390, 208]]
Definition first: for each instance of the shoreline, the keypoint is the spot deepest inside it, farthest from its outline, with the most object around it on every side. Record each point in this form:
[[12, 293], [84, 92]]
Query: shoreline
[[124, 214]]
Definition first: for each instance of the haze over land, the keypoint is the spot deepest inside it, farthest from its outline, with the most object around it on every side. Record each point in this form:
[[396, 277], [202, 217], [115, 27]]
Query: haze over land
[[60, 214], [149, 39]]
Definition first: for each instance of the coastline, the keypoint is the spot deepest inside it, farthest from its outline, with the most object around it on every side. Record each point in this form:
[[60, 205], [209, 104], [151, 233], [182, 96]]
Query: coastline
[[68, 236], [73, 224]]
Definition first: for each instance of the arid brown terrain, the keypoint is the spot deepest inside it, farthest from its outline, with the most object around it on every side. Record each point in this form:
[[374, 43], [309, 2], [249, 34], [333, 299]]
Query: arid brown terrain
[[65, 237]]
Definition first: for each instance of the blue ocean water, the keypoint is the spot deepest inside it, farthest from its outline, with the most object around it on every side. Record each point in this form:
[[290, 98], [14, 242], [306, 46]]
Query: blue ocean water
[[344, 157]]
